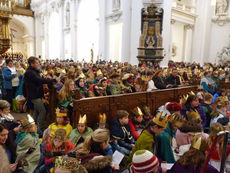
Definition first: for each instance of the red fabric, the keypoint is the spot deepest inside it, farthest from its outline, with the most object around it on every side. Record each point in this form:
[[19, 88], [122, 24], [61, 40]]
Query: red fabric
[[92, 86], [133, 130], [174, 106], [70, 147], [215, 155]]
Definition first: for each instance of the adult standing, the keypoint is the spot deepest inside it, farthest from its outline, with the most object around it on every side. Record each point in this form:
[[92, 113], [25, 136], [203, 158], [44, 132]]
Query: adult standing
[[9, 73], [34, 87]]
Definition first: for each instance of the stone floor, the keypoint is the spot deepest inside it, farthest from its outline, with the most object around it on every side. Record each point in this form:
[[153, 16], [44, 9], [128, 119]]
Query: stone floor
[[18, 116]]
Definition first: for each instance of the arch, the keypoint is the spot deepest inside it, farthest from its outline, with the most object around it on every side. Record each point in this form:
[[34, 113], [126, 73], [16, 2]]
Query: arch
[[88, 30], [20, 37], [54, 36]]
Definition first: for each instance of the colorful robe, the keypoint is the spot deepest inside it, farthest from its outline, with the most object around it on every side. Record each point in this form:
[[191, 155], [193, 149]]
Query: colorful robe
[[53, 127], [26, 141], [76, 138]]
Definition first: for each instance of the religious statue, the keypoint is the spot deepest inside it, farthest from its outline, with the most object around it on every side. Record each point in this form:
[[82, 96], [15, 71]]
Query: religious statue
[[158, 34], [116, 5], [150, 42], [91, 52], [142, 38], [221, 7]]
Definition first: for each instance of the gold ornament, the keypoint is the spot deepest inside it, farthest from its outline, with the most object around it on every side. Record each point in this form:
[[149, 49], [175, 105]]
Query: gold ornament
[[102, 118], [82, 120], [27, 121]]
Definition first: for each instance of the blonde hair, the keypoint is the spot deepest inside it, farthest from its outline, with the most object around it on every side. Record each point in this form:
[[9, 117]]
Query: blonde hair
[[98, 136], [63, 93], [214, 129], [27, 129]]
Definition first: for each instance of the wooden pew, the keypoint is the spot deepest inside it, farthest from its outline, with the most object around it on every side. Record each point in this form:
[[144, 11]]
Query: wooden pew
[[110, 104], [224, 85]]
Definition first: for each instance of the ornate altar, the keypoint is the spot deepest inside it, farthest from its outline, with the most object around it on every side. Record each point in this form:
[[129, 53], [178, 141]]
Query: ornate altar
[[150, 43], [5, 12]]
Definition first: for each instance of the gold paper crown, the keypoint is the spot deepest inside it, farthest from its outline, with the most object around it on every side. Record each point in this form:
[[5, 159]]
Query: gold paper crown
[[27, 121], [200, 87], [99, 72], [161, 120], [137, 111], [177, 119], [61, 113], [192, 115], [147, 111], [199, 143], [102, 118], [82, 75], [67, 163], [82, 120], [144, 78]]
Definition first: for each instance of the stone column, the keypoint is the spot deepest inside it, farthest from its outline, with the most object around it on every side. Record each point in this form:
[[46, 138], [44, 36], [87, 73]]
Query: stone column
[[73, 24], [126, 28], [188, 43], [46, 34], [62, 40], [102, 29], [167, 32]]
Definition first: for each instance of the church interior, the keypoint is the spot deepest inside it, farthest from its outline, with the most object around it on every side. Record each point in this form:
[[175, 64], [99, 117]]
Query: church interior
[[115, 86]]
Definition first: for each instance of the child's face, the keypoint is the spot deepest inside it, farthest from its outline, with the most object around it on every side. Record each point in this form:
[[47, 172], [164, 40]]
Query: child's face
[[157, 130], [224, 108], [195, 102], [138, 119], [124, 120], [71, 86], [57, 143], [102, 126], [81, 128], [33, 129], [5, 111], [60, 120]]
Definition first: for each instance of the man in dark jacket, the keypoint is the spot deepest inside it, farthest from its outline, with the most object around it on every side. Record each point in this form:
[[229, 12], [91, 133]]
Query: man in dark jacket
[[173, 79], [34, 88]]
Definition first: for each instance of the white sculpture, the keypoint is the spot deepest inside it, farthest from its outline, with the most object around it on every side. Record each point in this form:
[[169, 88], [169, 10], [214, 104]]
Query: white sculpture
[[116, 5], [224, 54], [221, 7]]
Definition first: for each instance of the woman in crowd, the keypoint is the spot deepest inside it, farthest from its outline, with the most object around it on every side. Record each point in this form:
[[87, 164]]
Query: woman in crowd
[[158, 80], [79, 134], [151, 85], [61, 123], [93, 147], [9, 73]]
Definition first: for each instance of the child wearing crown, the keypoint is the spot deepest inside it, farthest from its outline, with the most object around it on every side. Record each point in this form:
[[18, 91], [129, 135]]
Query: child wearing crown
[[135, 122], [27, 138], [120, 131], [166, 140], [219, 111], [79, 134], [61, 123], [147, 139], [215, 160], [58, 147], [193, 160]]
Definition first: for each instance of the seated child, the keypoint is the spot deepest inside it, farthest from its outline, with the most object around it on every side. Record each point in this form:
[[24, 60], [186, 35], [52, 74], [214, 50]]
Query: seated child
[[207, 109], [135, 122], [79, 134], [61, 123], [219, 113], [120, 131], [58, 147], [27, 138], [144, 161]]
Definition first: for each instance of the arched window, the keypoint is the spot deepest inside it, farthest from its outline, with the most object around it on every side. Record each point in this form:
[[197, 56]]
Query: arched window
[[88, 29], [54, 36]]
